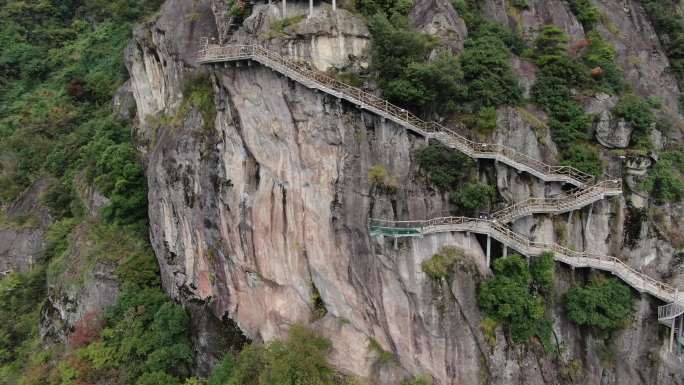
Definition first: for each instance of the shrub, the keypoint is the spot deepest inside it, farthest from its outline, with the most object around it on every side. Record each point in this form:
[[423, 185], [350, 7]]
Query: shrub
[[510, 298], [550, 43], [385, 7], [665, 180], [637, 112], [584, 158], [487, 72], [486, 120], [428, 87], [379, 176], [473, 196], [300, 359], [600, 54], [585, 12], [444, 166], [542, 271], [384, 356], [604, 304], [86, 330], [440, 265]]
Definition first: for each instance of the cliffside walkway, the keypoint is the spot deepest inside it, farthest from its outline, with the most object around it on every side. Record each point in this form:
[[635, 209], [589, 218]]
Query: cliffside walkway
[[671, 315], [210, 53]]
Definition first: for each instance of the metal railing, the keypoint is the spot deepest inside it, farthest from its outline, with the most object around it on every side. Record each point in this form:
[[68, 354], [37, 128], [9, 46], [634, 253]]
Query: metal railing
[[211, 53], [524, 245], [578, 199]]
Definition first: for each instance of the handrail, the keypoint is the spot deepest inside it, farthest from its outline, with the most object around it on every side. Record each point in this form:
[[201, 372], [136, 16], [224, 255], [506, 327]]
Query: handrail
[[579, 198], [212, 53], [502, 233]]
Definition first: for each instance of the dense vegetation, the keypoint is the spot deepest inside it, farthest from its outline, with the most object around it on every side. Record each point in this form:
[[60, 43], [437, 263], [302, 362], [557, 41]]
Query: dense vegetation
[[453, 172], [517, 296], [558, 75], [480, 77], [665, 180], [60, 64], [300, 359], [603, 305]]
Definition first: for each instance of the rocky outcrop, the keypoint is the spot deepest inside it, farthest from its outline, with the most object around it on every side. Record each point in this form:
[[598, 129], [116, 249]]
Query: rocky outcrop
[[22, 229], [77, 287], [270, 205], [640, 55], [612, 132], [438, 18], [530, 20]]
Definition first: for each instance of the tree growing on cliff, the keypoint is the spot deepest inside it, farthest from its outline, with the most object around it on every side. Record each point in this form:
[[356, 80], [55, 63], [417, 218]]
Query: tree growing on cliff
[[512, 298], [603, 305]]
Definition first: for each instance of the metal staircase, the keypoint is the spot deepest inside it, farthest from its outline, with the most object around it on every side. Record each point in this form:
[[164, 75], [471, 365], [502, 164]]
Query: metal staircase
[[212, 53], [576, 200]]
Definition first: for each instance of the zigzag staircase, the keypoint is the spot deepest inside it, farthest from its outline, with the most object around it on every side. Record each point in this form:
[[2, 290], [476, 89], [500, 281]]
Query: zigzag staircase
[[587, 192]]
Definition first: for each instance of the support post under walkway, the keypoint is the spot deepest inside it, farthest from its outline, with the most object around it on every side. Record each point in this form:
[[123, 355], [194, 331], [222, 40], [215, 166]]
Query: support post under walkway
[[505, 251], [284, 9], [489, 249]]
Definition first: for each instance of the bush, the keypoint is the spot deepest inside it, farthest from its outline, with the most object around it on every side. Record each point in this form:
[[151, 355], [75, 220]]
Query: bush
[[542, 270], [665, 180], [510, 297], [604, 304], [670, 27], [585, 12], [600, 54], [637, 112], [445, 167], [487, 71], [440, 265], [473, 196], [379, 176], [300, 359], [584, 158]]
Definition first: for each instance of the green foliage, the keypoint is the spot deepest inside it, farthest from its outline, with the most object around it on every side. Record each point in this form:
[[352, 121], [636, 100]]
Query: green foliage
[[385, 7], [637, 112], [604, 304], [485, 120], [473, 196], [542, 271], [441, 264], [300, 359], [422, 380], [384, 356], [487, 72], [557, 76], [379, 176], [599, 54], [520, 4], [512, 298], [157, 378], [551, 43], [665, 180], [670, 27], [425, 85], [20, 295], [199, 93], [583, 157], [586, 13], [445, 167], [406, 78]]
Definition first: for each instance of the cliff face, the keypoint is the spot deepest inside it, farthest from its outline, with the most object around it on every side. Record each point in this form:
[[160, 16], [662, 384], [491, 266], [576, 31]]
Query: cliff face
[[265, 205]]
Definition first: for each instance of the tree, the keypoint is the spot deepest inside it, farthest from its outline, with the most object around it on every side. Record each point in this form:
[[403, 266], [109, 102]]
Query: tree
[[604, 304], [473, 196], [444, 166], [510, 297]]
